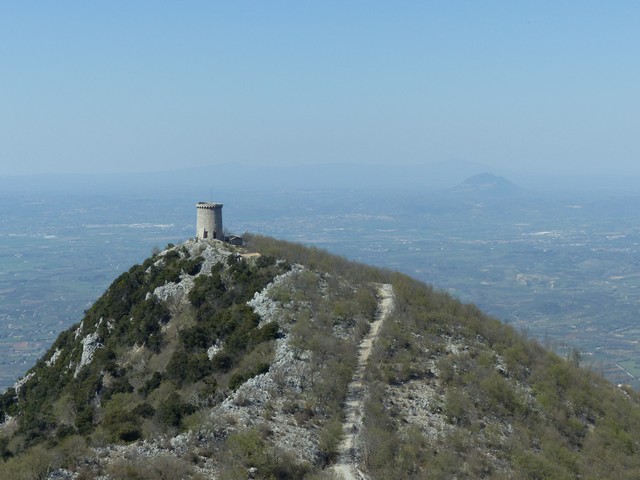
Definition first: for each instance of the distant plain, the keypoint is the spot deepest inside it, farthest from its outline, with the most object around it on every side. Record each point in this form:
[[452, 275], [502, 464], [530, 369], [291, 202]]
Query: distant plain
[[564, 268]]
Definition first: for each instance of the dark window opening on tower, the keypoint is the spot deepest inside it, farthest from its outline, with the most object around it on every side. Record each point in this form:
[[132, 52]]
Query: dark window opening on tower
[[206, 234], [215, 235]]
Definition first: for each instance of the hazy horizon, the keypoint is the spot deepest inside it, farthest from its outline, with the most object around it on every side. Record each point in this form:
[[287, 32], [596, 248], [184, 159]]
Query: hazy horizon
[[203, 181], [545, 88]]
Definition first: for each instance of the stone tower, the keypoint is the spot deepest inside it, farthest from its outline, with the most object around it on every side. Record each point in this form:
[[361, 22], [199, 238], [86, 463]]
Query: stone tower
[[209, 223]]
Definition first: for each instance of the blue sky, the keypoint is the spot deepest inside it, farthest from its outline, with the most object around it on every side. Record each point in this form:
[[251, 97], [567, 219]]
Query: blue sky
[[134, 86]]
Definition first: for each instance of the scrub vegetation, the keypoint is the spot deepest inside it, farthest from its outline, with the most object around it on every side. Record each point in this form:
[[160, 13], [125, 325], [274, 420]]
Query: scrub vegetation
[[450, 392]]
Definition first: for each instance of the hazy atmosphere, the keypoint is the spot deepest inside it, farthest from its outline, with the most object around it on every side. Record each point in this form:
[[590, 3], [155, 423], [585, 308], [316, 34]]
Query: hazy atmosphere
[[427, 264], [133, 87]]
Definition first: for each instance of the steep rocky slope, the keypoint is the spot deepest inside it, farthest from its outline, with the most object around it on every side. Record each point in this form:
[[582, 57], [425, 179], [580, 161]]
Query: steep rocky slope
[[280, 361]]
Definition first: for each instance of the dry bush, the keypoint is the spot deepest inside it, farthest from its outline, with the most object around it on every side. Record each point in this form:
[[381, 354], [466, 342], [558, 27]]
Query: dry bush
[[163, 467]]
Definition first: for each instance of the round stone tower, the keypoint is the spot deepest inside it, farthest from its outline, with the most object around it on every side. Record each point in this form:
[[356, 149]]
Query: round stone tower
[[209, 223]]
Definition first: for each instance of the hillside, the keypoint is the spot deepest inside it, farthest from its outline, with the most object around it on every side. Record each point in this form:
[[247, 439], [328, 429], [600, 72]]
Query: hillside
[[281, 361]]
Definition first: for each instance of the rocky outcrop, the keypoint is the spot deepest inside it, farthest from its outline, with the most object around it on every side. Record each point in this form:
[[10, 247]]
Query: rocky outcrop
[[90, 344]]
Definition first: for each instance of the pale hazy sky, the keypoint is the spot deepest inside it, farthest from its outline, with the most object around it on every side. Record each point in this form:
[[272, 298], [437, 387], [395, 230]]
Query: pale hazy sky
[[134, 86]]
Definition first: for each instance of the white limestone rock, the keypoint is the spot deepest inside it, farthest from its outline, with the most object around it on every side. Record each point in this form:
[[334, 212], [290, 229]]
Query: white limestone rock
[[54, 357], [18, 385], [90, 344]]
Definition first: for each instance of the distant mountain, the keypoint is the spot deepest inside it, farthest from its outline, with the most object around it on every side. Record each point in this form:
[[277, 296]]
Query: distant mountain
[[429, 176], [279, 361], [487, 185], [244, 177]]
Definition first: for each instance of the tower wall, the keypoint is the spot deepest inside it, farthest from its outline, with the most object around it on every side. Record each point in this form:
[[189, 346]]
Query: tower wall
[[209, 221]]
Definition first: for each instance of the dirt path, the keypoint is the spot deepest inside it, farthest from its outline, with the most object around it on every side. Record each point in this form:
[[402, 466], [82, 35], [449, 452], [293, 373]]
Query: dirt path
[[347, 466]]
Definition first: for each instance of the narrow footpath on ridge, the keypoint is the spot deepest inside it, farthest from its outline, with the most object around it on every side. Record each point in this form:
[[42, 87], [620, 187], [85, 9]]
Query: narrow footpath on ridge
[[346, 466]]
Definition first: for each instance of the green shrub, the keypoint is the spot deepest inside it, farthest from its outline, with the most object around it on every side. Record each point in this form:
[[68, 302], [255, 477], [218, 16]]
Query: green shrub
[[162, 467], [151, 384], [144, 410], [122, 425], [118, 385], [329, 441], [187, 367], [172, 410], [248, 449], [84, 420], [239, 378]]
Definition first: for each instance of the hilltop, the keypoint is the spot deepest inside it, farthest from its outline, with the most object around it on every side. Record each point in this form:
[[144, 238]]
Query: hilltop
[[282, 361], [487, 185]]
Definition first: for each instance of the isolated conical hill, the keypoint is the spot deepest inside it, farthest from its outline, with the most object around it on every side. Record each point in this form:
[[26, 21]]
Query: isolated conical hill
[[487, 185], [282, 361]]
